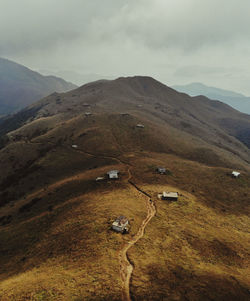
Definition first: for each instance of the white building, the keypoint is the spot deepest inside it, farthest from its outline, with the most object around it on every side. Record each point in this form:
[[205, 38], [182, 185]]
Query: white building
[[161, 170], [139, 125], [113, 174], [235, 174], [170, 196], [120, 224]]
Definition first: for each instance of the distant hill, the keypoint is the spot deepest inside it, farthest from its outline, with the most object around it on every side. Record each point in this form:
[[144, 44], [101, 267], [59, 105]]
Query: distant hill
[[212, 121], [238, 101], [79, 78], [20, 86]]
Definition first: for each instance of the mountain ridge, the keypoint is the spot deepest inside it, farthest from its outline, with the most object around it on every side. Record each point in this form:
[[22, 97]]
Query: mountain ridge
[[55, 218], [236, 100], [20, 86]]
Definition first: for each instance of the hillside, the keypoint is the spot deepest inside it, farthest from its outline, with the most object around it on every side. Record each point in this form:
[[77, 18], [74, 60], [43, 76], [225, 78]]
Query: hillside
[[235, 100], [56, 242], [20, 86]]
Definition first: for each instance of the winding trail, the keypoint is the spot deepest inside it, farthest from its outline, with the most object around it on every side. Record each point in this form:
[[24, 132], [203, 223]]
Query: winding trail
[[126, 267]]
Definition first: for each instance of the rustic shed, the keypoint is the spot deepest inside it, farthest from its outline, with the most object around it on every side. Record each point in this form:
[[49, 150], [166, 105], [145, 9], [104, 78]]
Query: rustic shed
[[235, 174], [113, 174], [170, 196], [120, 224], [161, 170]]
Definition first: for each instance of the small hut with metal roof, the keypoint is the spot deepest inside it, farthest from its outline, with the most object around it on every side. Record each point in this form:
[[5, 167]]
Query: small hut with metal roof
[[120, 224], [170, 196]]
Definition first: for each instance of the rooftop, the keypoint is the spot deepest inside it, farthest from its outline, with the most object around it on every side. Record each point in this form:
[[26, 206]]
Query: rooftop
[[236, 173], [120, 221], [170, 194], [161, 169], [113, 172]]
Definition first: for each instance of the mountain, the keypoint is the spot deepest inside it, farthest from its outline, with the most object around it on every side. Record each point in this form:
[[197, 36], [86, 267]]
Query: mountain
[[76, 77], [235, 100], [20, 86], [55, 218]]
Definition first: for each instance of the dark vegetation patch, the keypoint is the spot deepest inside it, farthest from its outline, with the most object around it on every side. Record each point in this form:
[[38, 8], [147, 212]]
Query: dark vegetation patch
[[17, 120], [19, 242], [36, 133], [5, 220], [25, 245], [244, 136], [185, 124], [27, 207], [205, 156], [178, 283], [13, 186], [3, 141], [13, 180], [215, 250], [11, 123], [58, 100], [238, 128]]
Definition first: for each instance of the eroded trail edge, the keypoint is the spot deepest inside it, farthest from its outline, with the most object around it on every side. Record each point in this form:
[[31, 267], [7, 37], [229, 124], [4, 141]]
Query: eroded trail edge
[[126, 268]]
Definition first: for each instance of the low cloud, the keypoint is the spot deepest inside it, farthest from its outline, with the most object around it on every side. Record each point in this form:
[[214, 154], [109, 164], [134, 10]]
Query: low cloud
[[162, 38]]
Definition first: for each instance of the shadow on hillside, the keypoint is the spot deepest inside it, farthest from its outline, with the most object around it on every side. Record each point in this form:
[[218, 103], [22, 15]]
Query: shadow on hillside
[[178, 283]]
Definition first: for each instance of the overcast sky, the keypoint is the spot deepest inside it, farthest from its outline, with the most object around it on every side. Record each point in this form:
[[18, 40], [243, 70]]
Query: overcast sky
[[175, 41]]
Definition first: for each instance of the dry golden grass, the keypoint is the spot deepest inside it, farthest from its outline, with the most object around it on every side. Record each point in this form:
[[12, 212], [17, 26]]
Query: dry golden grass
[[77, 255], [188, 249], [60, 247], [196, 248]]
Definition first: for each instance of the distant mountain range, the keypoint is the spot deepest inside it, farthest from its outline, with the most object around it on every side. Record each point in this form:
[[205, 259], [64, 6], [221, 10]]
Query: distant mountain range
[[236, 100], [20, 86]]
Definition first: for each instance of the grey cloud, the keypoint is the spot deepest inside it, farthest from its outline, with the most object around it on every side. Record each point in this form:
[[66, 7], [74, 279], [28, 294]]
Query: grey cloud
[[29, 25], [188, 25], [173, 40]]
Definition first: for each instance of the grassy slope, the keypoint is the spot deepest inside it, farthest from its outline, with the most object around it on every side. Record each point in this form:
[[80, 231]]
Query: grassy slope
[[70, 251], [55, 237], [195, 248], [198, 247]]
